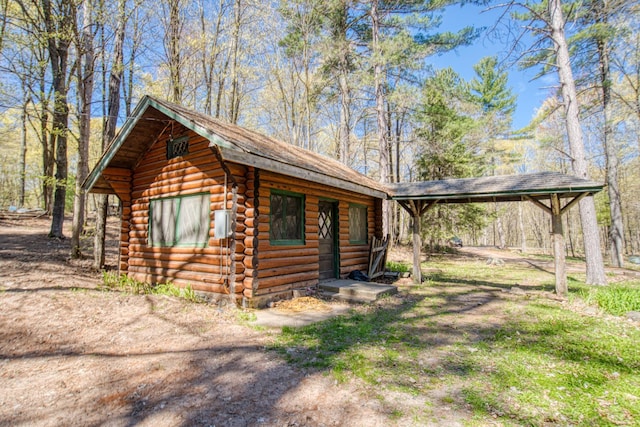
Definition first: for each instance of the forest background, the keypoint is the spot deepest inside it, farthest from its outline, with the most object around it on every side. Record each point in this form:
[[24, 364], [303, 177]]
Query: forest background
[[353, 80]]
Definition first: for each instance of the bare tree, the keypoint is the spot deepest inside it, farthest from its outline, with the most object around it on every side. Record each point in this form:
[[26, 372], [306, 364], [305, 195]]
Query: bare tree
[[59, 24], [85, 91], [173, 31], [548, 22], [379, 78], [234, 102], [109, 131], [593, 254]]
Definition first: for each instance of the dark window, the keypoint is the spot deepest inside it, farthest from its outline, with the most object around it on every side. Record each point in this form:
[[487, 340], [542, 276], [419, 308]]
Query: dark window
[[357, 223], [180, 221], [177, 147], [287, 218]]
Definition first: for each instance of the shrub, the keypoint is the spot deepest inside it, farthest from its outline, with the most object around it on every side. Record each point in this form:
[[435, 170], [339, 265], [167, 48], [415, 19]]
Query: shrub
[[398, 266]]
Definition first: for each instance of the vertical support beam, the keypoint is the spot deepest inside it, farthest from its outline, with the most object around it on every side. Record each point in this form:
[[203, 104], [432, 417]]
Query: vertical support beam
[[415, 210], [558, 246], [417, 248]]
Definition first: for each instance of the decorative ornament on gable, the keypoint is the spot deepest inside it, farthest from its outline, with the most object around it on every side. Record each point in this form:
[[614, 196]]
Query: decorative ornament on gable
[[177, 147]]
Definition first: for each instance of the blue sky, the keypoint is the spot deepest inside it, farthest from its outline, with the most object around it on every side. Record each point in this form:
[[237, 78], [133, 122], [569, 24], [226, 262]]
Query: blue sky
[[530, 93]]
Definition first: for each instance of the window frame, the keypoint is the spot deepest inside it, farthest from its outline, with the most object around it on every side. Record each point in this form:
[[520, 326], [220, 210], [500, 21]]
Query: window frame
[[353, 240], [176, 224], [301, 231]]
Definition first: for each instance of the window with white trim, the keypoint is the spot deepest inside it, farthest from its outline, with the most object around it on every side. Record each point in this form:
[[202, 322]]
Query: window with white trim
[[180, 221], [358, 229]]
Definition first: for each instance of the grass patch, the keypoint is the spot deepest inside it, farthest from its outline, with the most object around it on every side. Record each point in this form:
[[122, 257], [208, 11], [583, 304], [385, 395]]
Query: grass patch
[[527, 360], [123, 283], [555, 366], [616, 299]]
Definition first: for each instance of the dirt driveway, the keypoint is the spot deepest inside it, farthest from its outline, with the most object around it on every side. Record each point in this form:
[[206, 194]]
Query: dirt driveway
[[74, 355]]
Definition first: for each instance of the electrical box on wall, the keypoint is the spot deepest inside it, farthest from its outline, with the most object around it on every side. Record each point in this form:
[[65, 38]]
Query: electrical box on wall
[[222, 224]]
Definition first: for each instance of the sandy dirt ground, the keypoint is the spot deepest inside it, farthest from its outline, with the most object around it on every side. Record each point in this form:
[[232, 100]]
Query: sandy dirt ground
[[72, 354]]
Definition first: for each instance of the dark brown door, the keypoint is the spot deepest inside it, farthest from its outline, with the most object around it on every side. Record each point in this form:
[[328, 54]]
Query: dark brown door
[[327, 239]]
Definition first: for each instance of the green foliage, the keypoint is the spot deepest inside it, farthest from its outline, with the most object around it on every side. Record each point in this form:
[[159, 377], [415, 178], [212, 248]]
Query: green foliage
[[442, 129], [447, 151], [124, 283], [615, 299], [489, 89], [400, 267]]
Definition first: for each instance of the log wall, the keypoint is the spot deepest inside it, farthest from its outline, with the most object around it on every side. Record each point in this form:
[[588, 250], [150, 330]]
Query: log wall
[[219, 267], [246, 265], [284, 268]]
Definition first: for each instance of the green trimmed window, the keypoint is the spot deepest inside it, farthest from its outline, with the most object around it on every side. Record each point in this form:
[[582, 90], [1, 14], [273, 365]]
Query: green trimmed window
[[357, 223], [180, 221], [287, 218]]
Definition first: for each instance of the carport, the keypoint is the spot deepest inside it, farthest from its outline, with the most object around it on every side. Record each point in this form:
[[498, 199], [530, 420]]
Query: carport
[[553, 192]]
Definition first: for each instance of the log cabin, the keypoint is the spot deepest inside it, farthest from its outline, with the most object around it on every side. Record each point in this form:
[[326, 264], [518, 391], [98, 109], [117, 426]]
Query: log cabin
[[230, 212]]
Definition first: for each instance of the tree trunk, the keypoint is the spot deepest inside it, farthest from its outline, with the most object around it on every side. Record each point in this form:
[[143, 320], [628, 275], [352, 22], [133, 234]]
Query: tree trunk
[[173, 50], [23, 150], [85, 89], [58, 30], [593, 254], [210, 60], [341, 46], [47, 149], [378, 82], [109, 132], [234, 103], [499, 229], [616, 231], [128, 94]]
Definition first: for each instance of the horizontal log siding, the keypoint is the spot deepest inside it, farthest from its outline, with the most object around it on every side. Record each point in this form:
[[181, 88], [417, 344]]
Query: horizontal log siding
[[204, 269], [284, 268]]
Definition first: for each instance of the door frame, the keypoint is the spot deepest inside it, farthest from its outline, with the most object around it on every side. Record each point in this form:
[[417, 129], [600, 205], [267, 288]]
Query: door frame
[[336, 234]]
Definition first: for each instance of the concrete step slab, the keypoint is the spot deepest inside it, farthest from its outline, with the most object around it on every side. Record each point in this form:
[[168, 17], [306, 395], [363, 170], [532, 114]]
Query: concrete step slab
[[353, 290]]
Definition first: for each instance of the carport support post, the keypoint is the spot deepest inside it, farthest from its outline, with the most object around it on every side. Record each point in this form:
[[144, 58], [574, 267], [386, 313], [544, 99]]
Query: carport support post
[[416, 209], [417, 248], [558, 246]]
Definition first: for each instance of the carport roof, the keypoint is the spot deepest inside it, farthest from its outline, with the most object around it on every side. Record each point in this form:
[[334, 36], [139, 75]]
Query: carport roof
[[502, 188]]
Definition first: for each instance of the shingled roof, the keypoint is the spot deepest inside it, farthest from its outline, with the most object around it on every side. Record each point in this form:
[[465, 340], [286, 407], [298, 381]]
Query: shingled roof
[[236, 144], [502, 188]]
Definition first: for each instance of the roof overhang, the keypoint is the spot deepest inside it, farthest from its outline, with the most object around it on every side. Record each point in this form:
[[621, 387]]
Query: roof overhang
[[503, 188], [265, 163], [151, 117]]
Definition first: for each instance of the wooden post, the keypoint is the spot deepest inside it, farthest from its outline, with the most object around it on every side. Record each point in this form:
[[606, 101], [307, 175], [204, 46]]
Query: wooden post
[[558, 246], [417, 246]]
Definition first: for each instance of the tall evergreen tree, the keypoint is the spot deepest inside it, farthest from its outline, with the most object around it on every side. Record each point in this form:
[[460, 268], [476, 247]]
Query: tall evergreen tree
[[443, 131], [497, 104]]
